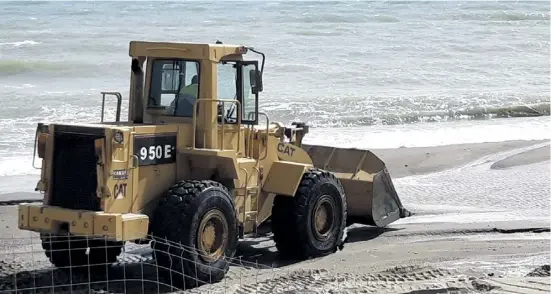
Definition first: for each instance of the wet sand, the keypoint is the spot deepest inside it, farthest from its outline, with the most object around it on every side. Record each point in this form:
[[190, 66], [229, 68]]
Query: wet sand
[[433, 251], [403, 162]]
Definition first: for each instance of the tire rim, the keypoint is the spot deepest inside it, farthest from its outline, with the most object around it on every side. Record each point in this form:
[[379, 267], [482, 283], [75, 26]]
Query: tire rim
[[213, 235], [323, 217]]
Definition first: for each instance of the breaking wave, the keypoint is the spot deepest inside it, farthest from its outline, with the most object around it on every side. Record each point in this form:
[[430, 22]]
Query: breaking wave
[[340, 19], [482, 113], [503, 16], [17, 66], [12, 67], [19, 43]]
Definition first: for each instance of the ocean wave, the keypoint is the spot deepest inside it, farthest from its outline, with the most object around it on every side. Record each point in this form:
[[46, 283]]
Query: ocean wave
[[317, 33], [19, 43], [383, 18], [336, 18], [19, 87], [331, 119], [503, 16], [11, 67], [15, 67], [17, 146]]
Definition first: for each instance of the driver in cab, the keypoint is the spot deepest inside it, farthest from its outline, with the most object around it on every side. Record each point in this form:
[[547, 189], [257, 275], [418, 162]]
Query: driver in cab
[[186, 98]]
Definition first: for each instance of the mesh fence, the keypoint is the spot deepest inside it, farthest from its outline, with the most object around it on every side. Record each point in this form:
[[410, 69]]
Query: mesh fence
[[43, 263], [77, 264]]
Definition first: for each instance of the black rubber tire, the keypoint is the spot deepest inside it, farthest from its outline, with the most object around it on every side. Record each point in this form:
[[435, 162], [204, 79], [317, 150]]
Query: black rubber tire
[[57, 248], [292, 217], [176, 219]]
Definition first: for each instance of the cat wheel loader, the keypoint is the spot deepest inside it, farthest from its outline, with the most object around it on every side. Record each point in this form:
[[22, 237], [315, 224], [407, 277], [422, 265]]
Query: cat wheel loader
[[197, 164]]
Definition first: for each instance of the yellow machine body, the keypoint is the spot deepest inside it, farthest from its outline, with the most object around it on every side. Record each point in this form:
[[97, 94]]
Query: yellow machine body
[[107, 178]]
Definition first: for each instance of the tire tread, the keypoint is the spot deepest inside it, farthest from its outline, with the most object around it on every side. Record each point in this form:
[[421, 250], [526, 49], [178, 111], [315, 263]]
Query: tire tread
[[172, 220], [288, 217]]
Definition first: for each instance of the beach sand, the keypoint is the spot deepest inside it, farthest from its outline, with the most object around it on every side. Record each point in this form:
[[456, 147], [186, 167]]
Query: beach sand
[[434, 251]]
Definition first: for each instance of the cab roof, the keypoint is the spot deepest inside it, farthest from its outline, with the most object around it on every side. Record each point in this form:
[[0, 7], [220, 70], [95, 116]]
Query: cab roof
[[213, 52]]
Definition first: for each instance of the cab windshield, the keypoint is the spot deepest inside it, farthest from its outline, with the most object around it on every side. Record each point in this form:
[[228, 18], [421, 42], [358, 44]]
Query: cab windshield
[[174, 86], [234, 83]]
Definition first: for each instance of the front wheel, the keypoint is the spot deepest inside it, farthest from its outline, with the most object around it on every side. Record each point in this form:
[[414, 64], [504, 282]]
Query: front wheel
[[311, 223], [195, 233]]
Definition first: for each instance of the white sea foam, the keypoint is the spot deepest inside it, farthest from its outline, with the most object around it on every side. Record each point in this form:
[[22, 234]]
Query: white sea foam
[[19, 43], [433, 134], [18, 165]]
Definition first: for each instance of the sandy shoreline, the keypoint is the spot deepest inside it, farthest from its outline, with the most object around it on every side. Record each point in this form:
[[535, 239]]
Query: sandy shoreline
[[401, 162], [408, 256]]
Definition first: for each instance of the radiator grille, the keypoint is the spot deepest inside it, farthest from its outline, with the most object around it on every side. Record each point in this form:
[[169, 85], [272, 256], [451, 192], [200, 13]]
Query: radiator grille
[[74, 172]]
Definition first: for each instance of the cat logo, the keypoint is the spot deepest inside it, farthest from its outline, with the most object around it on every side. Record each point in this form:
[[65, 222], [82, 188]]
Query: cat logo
[[285, 149], [119, 191]]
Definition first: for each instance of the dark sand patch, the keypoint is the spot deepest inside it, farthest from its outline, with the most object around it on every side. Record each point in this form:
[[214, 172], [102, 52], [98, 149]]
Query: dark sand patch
[[524, 158], [542, 271]]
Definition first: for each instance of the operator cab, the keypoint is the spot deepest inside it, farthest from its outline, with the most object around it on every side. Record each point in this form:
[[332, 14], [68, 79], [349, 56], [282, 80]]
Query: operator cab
[[173, 86]]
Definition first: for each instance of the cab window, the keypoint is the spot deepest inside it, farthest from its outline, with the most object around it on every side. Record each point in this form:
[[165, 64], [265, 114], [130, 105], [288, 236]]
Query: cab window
[[236, 81], [249, 102], [174, 86], [227, 90]]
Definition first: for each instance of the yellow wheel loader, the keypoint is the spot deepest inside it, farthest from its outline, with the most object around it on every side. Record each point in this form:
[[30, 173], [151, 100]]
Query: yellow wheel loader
[[195, 168]]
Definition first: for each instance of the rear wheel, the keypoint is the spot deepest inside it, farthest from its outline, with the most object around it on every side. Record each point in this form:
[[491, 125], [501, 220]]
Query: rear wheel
[[195, 233], [311, 223], [66, 251]]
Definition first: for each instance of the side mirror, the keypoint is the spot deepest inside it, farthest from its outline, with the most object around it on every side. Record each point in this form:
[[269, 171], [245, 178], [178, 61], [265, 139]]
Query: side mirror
[[255, 77]]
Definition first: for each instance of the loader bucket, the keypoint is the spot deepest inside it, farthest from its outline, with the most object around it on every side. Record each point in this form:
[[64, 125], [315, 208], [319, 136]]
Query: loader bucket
[[370, 194]]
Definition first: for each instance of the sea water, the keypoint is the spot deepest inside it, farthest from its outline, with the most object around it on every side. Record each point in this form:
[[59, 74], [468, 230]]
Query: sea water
[[377, 74]]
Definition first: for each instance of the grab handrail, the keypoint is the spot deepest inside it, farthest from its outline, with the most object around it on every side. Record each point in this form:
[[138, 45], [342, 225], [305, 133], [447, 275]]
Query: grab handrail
[[119, 102]]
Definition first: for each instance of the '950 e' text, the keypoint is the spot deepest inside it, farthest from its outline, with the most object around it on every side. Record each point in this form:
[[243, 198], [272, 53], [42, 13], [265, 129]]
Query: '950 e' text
[[155, 149]]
